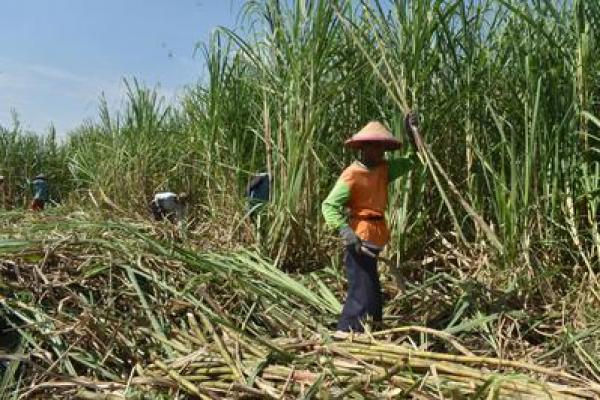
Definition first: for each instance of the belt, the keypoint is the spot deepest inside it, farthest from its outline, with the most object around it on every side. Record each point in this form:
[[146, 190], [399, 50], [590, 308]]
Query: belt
[[371, 218]]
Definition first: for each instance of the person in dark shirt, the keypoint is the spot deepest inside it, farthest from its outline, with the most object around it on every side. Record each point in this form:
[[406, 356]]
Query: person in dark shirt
[[2, 192], [258, 192]]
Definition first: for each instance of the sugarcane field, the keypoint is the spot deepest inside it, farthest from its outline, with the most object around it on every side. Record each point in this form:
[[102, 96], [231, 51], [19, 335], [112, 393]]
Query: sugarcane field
[[345, 199]]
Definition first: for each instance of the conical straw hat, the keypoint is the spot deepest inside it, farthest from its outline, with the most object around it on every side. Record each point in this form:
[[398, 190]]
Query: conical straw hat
[[374, 132]]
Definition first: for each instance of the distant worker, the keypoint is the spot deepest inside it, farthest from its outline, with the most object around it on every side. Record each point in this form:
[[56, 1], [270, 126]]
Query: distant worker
[[258, 192], [168, 205], [41, 193], [2, 192], [362, 190]]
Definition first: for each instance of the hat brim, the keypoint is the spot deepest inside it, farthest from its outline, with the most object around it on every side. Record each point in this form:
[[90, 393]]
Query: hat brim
[[359, 143]]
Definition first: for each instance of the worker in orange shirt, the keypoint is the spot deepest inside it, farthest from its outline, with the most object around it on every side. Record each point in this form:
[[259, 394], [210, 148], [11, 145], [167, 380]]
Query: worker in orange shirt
[[362, 190]]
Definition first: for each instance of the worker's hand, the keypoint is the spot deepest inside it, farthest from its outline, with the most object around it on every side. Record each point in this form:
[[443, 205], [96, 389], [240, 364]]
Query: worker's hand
[[412, 120], [411, 124], [350, 238]]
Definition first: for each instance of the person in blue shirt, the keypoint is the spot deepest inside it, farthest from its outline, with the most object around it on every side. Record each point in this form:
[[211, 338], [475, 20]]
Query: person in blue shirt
[[258, 192], [41, 193]]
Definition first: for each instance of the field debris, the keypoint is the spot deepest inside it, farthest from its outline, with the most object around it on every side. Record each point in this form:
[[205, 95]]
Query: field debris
[[109, 310]]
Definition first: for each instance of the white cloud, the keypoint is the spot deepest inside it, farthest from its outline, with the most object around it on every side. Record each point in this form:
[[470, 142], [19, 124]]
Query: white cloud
[[44, 94], [54, 73]]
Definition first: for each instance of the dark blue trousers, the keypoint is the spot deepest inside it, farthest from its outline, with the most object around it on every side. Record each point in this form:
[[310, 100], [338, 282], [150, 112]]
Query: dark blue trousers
[[364, 299]]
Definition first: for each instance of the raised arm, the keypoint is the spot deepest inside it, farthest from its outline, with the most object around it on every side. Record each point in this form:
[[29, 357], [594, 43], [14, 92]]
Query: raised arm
[[401, 166]]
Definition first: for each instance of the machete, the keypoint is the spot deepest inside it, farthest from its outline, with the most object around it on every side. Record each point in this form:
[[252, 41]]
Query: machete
[[396, 273]]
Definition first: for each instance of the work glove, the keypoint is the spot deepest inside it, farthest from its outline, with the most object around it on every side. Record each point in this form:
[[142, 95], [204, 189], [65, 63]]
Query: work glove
[[411, 124], [350, 238]]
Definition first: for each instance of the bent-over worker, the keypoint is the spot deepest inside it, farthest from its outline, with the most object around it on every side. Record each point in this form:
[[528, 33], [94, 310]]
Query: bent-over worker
[[258, 192], [168, 205], [41, 193]]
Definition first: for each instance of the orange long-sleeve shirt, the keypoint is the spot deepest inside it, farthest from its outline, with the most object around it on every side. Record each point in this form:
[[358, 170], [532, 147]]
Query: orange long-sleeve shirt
[[364, 192]]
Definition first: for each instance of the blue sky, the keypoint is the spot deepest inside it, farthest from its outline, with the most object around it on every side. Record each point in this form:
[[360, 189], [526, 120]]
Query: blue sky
[[57, 56]]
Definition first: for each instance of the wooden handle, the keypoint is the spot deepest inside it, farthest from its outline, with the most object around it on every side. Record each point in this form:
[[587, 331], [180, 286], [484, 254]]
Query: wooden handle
[[365, 250]]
